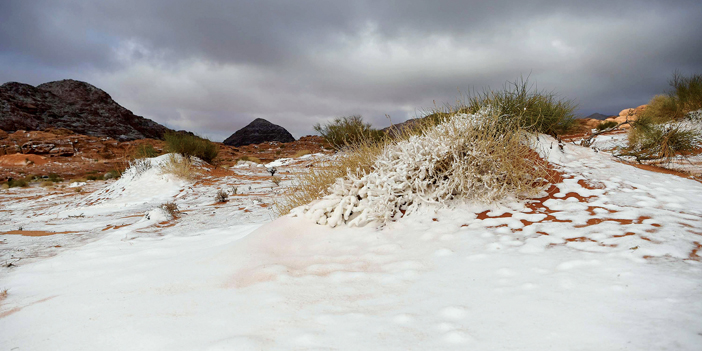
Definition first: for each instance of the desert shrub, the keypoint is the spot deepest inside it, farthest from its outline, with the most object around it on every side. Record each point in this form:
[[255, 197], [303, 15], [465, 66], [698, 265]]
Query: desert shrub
[[661, 109], [171, 209], [55, 177], [649, 140], [91, 177], [537, 111], [5, 186], [47, 183], [221, 196], [145, 151], [17, 183], [688, 91], [606, 125], [480, 157], [191, 145], [180, 166], [348, 131], [662, 131], [78, 190]]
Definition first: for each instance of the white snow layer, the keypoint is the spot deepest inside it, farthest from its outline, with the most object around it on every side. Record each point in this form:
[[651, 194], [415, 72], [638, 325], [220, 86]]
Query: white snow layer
[[435, 280]]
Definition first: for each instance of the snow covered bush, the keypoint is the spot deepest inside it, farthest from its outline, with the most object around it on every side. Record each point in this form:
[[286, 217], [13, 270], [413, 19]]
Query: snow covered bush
[[483, 156]]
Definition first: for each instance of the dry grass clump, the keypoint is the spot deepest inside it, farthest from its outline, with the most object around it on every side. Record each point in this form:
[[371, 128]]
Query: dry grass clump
[[221, 196], [356, 160], [180, 166], [301, 153], [171, 209]]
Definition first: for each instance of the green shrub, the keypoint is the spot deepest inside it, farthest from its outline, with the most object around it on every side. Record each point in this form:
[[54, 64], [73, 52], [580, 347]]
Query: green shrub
[[91, 177], [650, 140], [606, 125], [688, 91], [537, 111], [191, 145], [661, 109], [348, 131], [145, 151]]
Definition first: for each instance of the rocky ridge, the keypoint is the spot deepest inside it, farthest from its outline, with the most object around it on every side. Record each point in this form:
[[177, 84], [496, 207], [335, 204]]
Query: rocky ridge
[[74, 105]]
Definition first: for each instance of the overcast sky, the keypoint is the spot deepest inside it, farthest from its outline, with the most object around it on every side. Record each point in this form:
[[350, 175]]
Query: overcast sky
[[211, 67]]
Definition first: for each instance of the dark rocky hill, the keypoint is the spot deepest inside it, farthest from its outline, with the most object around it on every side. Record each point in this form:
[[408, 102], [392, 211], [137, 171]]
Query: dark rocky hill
[[74, 105], [259, 131]]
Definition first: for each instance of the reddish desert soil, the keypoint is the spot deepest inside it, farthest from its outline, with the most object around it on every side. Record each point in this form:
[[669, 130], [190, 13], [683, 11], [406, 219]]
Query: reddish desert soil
[[74, 156]]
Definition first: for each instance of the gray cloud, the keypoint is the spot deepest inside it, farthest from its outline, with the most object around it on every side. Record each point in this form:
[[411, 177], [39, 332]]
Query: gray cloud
[[213, 66]]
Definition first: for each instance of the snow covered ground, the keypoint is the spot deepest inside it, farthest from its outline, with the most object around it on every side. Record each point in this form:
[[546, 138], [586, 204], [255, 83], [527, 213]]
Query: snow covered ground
[[607, 260]]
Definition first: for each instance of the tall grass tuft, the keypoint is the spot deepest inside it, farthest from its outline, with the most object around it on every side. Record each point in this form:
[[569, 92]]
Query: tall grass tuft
[[688, 91], [348, 131], [533, 110], [191, 145]]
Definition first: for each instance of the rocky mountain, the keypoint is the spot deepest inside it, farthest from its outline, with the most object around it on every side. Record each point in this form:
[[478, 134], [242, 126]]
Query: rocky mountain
[[74, 105], [259, 131], [598, 116]]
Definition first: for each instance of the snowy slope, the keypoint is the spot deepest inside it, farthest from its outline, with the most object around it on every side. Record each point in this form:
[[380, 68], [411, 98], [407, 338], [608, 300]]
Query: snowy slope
[[607, 261]]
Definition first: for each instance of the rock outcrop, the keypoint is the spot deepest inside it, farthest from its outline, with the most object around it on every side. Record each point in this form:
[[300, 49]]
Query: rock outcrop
[[74, 105], [257, 132]]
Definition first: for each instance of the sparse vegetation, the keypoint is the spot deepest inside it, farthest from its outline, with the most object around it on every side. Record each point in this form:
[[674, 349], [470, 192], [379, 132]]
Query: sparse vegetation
[[191, 145], [221, 196], [659, 132], [145, 151], [78, 190], [606, 125], [249, 158], [17, 183], [171, 209], [180, 166], [47, 183], [345, 132], [276, 180], [55, 177]]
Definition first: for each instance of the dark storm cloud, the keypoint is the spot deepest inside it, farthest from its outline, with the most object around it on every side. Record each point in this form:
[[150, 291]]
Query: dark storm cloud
[[212, 66]]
